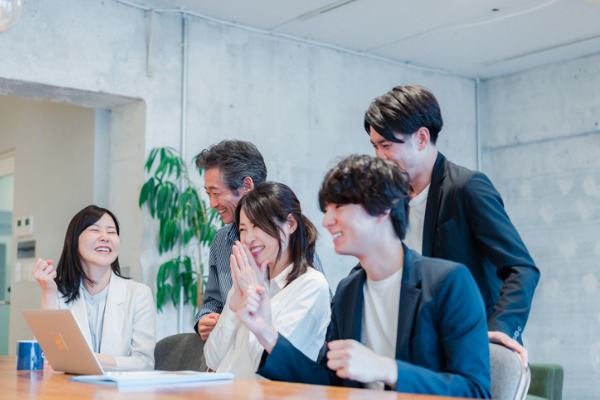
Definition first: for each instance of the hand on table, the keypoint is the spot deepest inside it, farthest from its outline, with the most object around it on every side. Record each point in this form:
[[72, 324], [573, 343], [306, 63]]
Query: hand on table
[[105, 360]]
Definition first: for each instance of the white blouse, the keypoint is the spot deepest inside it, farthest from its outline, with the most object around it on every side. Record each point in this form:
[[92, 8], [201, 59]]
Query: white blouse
[[96, 310], [300, 312]]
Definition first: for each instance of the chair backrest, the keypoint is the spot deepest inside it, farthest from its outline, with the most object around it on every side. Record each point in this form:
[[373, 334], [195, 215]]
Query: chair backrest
[[180, 352], [546, 381], [510, 376]]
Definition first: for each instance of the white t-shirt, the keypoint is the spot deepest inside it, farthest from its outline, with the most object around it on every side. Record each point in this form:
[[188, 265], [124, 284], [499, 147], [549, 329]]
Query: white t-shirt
[[416, 218], [380, 317], [300, 312]]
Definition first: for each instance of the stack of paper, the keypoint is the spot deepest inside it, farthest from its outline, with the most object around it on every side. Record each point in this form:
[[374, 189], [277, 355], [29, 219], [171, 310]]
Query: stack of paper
[[152, 378]]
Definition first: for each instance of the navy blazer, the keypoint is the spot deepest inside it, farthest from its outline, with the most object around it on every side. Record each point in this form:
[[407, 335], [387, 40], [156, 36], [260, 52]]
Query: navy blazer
[[465, 221], [442, 345]]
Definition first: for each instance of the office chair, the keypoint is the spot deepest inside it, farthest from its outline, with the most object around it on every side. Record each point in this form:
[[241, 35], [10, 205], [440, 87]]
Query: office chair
[[546, 382], [510, 376], [179, 352]]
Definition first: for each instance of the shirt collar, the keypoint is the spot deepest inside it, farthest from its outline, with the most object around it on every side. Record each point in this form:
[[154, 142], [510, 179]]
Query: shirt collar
[[278, 283], [232, 234]]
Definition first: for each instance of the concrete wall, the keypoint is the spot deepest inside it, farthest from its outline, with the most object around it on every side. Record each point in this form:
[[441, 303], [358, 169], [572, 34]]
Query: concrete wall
[[541, 141], [301, 104], [303, 107]]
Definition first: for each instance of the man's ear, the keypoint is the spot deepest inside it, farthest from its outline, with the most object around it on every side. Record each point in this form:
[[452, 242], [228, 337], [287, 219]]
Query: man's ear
[[384, 215], [422, 137], [247, 184]]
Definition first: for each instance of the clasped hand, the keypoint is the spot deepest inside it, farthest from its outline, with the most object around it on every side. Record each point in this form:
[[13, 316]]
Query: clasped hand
[[353, 360], [45, 275], [245, 274]]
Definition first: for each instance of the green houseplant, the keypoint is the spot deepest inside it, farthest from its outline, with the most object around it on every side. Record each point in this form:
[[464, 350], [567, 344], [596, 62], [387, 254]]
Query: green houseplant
[[186, 224]]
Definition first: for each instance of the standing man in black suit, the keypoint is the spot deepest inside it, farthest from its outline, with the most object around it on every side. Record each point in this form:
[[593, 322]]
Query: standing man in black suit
[[455, 213]]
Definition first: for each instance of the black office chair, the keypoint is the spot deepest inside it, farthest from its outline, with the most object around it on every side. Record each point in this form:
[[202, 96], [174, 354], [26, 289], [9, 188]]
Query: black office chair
[[180, 352]]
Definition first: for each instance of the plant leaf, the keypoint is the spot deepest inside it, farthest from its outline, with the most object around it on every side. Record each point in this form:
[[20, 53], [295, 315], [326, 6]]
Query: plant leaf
[[183, 216], [147, 191]]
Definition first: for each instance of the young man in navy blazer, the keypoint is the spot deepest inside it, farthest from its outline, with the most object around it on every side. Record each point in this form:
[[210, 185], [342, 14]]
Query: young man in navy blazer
[[399, 322], [455, 213]]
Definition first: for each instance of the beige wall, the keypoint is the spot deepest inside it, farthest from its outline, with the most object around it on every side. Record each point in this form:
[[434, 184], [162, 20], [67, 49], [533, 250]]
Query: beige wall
[[54, 154], [67, 157]]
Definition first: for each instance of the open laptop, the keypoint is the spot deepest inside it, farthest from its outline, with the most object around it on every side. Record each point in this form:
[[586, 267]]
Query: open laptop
[[62, 342], [66, 349]]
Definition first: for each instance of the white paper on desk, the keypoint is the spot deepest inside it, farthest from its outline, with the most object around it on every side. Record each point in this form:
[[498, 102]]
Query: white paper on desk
[[152, 378]]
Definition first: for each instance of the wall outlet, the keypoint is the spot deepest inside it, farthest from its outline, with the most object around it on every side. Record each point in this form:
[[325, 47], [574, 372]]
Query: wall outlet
[[24, 226]]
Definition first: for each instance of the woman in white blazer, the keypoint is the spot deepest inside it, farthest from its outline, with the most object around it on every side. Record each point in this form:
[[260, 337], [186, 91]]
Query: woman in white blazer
[[115, 314]]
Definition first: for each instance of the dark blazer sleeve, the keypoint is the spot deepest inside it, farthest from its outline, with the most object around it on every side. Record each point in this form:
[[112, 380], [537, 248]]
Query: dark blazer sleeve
[[287, 363], [449, 350], [498, 238], [466, 222]]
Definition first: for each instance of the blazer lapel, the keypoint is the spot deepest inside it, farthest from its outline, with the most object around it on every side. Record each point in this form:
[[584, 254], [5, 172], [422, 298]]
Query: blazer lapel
[[79, 311], [410, 296], [355, 320], [350, 317], [114, 317], [433, 204]]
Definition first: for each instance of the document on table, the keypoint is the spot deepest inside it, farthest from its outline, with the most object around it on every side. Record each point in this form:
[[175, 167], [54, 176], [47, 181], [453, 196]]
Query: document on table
[[130, 379]]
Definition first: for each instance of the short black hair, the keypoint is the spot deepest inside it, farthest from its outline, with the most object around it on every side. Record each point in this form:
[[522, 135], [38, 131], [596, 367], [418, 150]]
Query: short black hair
[[404, 110], [236, 159], [376, 184]]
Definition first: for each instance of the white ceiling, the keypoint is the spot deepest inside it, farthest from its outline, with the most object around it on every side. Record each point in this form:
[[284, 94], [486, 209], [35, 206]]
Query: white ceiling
[[474, 38]]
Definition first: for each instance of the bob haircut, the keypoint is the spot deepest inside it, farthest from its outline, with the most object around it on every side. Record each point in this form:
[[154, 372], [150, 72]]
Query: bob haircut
[[268, 207], [70, 272], [376, 184]]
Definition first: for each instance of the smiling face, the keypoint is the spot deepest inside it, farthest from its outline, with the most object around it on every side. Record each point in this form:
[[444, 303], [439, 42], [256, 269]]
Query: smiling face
[[405, 153], [99, 243], [221, 198], [351, 228], [263, 246]]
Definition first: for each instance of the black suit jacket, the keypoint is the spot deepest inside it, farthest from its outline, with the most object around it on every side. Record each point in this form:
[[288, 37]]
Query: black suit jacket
[[441, 345], [465, 221]]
